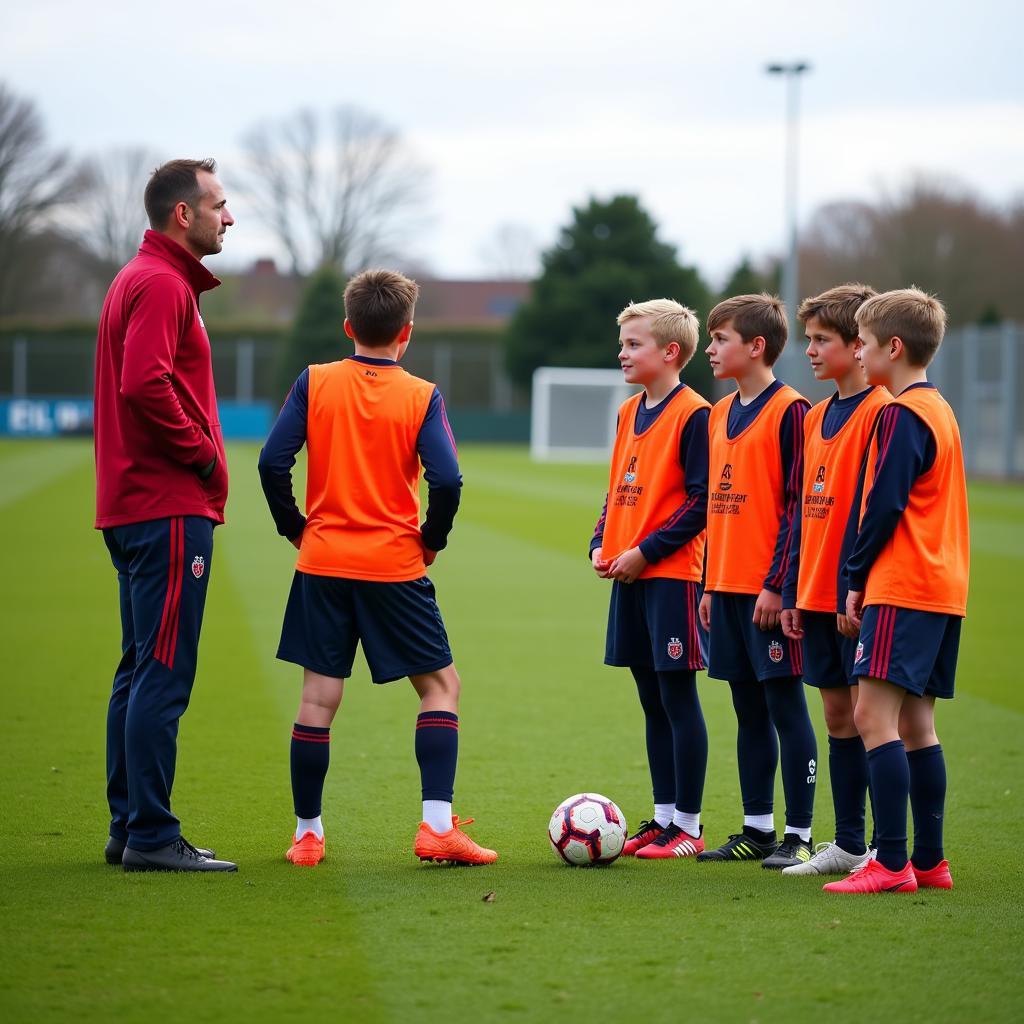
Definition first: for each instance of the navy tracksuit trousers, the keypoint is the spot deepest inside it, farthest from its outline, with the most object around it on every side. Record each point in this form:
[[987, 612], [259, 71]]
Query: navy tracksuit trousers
[[163, 569]]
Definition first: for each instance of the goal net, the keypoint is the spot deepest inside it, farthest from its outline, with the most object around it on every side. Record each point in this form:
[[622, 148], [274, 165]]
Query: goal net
[[572, 415]]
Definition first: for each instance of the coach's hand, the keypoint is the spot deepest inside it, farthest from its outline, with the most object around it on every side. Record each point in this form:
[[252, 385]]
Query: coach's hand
[[429, 556], [628, 566], [599, 564], [855, 609], [704, 611], [792, 622], [767, 610], [296, 542], [846, 627]]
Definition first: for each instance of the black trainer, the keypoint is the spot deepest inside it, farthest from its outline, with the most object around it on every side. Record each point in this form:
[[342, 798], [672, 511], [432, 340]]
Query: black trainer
[[792, 850], [180, 855], [742, 847], [114, 851]]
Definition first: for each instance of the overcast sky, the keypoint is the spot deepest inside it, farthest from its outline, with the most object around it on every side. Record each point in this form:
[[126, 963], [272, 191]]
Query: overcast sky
[[524, 109]]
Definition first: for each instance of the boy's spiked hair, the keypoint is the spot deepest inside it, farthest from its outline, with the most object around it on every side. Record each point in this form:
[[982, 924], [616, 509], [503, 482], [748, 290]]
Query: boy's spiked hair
[[836, 308], [915, 317], [754, 316], [378, 304], [670, 322]]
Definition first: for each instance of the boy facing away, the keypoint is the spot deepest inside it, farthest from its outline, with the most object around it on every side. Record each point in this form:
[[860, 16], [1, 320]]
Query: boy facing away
[[836, 435], [368, 426], [756, 444], [650, 542], [907, 577]]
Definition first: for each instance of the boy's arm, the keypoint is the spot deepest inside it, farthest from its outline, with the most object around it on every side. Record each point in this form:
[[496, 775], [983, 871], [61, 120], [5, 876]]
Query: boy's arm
[[435, 446], [782, 575], [906, 449], [286, 437], [691, 517]]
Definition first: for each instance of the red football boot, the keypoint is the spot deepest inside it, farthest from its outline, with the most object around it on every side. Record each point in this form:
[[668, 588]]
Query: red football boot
[[673, 842], [937, 877], [873, 877], [647, 833]]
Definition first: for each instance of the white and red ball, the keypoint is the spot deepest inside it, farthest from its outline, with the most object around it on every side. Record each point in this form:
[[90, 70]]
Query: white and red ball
[[587, 829]]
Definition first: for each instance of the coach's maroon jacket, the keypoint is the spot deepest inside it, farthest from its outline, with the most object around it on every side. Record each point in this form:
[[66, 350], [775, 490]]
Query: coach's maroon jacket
[[155, 414]]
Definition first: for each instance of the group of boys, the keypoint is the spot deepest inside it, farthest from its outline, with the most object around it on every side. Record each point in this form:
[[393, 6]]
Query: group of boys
[[828, 545]]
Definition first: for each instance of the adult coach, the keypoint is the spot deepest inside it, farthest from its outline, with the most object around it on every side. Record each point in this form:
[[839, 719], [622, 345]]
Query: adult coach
[[161, 484]]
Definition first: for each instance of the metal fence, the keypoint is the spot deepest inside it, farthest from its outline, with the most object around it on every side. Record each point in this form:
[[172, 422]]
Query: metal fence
[[980, 370]]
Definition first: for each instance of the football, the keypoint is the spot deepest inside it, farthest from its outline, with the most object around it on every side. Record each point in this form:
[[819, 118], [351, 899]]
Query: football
[[587, 829]]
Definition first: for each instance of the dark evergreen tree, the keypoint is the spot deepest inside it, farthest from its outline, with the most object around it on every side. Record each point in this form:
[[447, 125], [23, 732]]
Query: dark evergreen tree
[[318, 334], [608, 256]]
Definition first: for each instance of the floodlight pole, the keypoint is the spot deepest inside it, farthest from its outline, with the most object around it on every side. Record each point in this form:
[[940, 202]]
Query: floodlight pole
[[791, 269]]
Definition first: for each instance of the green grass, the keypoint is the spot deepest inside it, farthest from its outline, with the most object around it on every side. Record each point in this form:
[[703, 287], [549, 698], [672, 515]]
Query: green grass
[[373, 935]]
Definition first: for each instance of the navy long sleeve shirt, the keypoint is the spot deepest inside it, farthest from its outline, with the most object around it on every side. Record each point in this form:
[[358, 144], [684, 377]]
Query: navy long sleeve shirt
[[906, 450], [687, 521], [434, 445]]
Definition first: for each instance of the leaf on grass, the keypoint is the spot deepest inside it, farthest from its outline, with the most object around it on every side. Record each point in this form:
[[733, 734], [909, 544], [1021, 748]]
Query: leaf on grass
[[488, 897]]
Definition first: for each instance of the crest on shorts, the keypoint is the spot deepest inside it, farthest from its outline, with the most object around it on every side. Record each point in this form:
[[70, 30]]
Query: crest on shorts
[[819, 480], [860, 649], [198, 566], [630, 476], [775, 651], [675, 648]]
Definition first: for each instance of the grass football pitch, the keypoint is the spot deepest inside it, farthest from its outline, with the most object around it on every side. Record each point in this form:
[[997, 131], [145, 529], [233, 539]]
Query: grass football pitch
[[373, 935]]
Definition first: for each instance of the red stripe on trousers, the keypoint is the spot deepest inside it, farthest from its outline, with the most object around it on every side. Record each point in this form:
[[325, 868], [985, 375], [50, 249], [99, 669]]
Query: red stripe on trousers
[[796, 656], [884, 671], [161, 638], [172, 638], [696, 662], [883, 629], [876, 643]]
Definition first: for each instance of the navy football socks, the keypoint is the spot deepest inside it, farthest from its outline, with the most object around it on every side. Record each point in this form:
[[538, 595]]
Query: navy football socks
[[798, 746], [848, 768], [310, 758], [437, 753], [890, 786], [757, 750], [659, 736], [678, 691], [927, 801]]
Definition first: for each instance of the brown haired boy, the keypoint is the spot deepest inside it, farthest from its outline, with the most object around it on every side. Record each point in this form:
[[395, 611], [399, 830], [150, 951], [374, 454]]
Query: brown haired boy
[[368, 426], [756, 444], [907, 577], [836, 433]]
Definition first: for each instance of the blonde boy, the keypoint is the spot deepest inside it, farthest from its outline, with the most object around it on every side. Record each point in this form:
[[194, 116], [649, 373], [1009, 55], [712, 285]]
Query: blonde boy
[[649, 541]]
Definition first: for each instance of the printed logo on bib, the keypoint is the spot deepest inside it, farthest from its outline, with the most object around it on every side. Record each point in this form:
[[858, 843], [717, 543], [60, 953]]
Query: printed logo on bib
[[628, 493], [630, 476], [675, 648], [198, 566], [819, 480], [724, 501], [775, 651], [725, 484]]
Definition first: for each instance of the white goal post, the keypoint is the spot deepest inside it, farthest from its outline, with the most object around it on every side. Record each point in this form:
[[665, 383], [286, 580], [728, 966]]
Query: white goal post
[[572, 413]]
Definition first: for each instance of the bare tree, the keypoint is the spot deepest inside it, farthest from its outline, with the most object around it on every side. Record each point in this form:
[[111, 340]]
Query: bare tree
[[512, 252], [345, 196], [34, 182], [110, 218]]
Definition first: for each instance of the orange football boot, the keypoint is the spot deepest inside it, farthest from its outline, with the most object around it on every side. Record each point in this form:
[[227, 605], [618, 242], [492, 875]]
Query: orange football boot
[[873, 877], [937, 877], [453, 846], [306, 851]]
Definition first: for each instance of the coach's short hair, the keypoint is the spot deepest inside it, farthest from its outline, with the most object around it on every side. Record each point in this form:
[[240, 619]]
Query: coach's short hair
[[836, 309], [176, 181], [915, 317], [378, 304], [754, 316], [670, 321]]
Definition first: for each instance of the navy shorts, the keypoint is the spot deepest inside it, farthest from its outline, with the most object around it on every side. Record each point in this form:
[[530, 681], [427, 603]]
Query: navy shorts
[[828, 655], [398, 624], [653, 623], [909, 648], [740, 650]]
